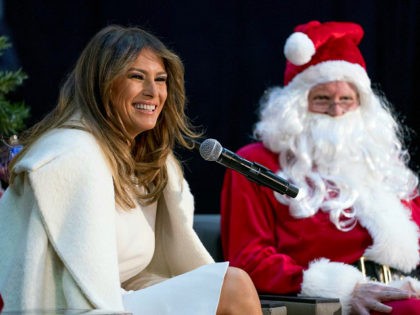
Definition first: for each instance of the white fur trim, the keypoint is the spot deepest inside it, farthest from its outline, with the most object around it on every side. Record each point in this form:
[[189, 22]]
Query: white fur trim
[[395, 235], [299, 48], [335, 70], [329, 279]]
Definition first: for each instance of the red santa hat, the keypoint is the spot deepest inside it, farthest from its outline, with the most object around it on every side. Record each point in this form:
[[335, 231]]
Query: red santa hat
[[322, 52]]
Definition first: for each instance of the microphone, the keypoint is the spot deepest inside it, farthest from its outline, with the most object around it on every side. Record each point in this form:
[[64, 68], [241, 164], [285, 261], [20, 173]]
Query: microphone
[[212, 150]]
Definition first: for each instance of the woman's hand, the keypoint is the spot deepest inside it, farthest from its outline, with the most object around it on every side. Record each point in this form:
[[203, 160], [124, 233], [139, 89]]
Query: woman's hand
[[368, 297]]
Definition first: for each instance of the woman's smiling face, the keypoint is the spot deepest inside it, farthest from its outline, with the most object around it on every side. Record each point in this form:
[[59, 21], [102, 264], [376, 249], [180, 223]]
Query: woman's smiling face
[[140, 94]]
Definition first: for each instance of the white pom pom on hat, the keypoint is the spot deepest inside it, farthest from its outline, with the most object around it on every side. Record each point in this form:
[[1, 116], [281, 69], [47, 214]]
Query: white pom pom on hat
[[299, 48]]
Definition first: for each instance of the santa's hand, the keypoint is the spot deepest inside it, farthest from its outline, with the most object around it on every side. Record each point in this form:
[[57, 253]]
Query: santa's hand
[[368, 297], [408, 283]]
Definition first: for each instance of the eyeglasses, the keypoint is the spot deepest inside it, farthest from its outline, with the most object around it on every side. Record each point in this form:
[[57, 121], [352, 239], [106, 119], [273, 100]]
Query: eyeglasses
[[324, 105]]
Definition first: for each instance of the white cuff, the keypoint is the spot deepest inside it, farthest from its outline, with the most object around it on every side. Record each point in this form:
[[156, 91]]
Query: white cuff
[[329, 279]]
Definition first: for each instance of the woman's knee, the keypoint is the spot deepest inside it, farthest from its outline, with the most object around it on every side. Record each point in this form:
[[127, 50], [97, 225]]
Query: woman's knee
[[238, 277], [238, 293]]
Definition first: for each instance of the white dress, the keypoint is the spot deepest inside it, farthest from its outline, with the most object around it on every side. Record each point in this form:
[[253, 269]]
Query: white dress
[[194, 292]]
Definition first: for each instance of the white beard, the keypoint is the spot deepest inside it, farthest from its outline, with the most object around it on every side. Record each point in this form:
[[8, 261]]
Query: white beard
[[334, 142], [355, 175], [337, 161]]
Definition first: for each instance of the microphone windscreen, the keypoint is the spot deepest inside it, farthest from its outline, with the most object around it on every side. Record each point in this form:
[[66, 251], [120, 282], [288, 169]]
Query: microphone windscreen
[[210, 149]]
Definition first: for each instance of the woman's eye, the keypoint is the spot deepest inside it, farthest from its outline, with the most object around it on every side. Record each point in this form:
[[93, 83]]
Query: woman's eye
[[137, 76], [161, 79]]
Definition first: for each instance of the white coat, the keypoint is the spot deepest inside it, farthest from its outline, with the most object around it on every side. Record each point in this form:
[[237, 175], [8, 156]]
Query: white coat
[[58, 235]]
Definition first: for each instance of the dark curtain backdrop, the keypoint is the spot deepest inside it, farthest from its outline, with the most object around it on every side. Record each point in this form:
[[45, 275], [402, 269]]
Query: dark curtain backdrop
[[232, 52]]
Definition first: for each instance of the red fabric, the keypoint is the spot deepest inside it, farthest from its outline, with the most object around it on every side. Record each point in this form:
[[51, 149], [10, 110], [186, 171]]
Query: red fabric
[[332, 41], [402, 307], [260, 236], [1, 303]]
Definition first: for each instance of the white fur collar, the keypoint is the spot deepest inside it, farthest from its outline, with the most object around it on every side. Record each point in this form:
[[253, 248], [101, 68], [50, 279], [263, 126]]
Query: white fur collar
[[395, 235]]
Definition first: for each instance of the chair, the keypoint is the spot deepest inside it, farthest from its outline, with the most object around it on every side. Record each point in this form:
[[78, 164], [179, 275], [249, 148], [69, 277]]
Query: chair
[[207, 227]]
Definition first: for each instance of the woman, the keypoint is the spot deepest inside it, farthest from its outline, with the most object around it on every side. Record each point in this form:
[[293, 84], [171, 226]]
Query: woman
[[98, 214]]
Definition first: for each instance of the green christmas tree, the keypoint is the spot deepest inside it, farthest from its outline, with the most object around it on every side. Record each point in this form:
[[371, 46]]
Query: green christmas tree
[[12, 114]]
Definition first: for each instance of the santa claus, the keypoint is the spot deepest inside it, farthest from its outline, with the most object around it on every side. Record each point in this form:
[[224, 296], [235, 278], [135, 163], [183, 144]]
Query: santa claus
[[352, 231]]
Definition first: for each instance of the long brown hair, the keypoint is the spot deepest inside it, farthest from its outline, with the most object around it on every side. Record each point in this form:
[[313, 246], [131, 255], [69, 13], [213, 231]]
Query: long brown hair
[[87, 91]]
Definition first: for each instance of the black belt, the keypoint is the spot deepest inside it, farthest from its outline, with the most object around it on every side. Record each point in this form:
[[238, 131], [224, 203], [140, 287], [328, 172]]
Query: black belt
[[382, 273]]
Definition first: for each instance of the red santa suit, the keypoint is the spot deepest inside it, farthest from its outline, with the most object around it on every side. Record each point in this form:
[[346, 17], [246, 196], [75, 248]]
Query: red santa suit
[[284, 254], [289, 246]]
